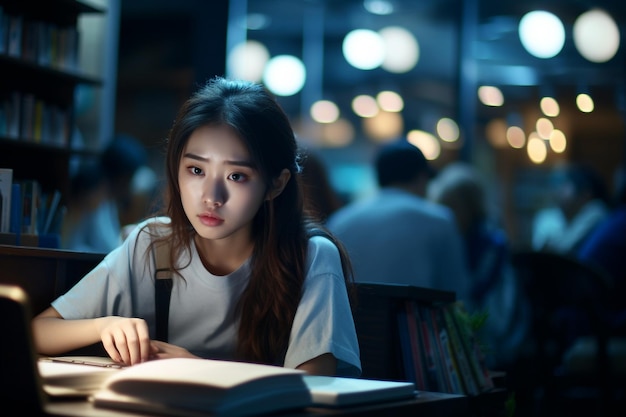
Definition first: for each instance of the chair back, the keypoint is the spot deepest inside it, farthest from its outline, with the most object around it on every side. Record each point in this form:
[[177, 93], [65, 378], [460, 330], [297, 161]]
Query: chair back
[[567, 297]]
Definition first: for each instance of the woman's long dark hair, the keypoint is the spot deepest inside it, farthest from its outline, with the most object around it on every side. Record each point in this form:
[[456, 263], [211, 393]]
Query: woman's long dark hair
[[280, 229]]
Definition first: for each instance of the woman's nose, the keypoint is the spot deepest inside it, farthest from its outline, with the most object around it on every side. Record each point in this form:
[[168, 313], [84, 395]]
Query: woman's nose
[[214, 194]]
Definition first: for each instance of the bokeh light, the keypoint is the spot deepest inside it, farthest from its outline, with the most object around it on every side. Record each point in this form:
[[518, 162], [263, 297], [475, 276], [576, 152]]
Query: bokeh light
[[542, 34]]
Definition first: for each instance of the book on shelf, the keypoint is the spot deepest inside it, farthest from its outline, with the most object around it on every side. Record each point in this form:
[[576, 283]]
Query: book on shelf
[[406, 346], [417, 347], [14, 35], [430, 355], [31, 203], [455, 386], [460, 357], [472, 347], [194, 387], [6, 185], [4, 19]]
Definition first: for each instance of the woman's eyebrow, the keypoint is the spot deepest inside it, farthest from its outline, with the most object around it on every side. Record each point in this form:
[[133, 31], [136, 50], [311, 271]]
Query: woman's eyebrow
[[242, 163]]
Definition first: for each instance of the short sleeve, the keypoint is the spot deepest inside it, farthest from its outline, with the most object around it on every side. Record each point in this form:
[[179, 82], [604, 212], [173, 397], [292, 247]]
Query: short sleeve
[[324, 321]]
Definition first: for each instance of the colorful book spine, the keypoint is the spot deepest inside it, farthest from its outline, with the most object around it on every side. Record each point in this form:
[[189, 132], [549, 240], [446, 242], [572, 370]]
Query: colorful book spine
[[471, 346], [449, 364], [6, 183], [462, 361], [416, 345], [31, 194], [430, 360], [405, 346]]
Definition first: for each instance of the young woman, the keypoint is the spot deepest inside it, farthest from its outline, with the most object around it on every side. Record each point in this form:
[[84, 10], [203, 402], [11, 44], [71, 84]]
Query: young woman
[[254, 280]]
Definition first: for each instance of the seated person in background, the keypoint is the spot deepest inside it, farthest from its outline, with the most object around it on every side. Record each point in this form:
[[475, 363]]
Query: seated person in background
[[101, 190], [396, 235], [581, 203], [494, 288], [253, 278], [605, 247]]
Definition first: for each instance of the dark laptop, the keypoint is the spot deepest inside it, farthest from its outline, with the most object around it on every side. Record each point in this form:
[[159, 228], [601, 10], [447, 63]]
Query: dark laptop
[[21, 387]]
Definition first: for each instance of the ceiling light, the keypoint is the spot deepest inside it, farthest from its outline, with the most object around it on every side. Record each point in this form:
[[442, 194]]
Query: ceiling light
[[558, 141], [324, 111], [379, 7], [490, 96], [549, 106], [596, 36], [426, 142], [390, 101], [247, 61], [284, 75], [447, 129], [544, 127], [364, 49], [542, 34], [401, 49], [516, 137], [536, 149], [365, 106], [584, 102], [384, 126]]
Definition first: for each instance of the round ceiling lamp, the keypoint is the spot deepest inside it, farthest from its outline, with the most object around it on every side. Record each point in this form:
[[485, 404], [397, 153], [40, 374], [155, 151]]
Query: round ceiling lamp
[[284, 75], [364, 49], [401, 49], [542, 34], [247, 60], [596, 36]]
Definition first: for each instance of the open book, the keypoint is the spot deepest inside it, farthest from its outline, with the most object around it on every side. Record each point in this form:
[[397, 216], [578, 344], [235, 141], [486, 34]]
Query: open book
[[194, 387], [75, 375]]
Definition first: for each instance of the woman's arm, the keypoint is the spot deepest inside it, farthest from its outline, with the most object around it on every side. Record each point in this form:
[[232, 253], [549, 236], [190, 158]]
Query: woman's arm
[[325, 364], [126, 340]]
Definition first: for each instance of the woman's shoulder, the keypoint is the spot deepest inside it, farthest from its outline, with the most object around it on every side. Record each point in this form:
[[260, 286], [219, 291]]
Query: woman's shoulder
[[321, 242], [321, 250], [158, 224], [149, 228]]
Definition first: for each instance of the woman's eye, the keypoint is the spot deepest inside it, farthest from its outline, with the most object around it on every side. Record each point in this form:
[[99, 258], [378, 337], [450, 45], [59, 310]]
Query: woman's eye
[[237, 177], [196, 171]]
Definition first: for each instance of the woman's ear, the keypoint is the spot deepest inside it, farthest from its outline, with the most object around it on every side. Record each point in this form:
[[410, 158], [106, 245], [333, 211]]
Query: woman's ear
[[279, 184]]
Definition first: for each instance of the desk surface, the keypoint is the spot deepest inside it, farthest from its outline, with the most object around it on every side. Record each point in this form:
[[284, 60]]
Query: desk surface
[[426, 404]]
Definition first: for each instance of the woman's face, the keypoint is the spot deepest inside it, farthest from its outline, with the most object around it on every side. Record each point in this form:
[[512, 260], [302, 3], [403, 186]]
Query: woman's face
[[220, 189]]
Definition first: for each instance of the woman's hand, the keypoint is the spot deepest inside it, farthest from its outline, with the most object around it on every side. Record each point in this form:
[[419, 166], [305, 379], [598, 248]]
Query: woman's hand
[[126, 340], [163, 350]]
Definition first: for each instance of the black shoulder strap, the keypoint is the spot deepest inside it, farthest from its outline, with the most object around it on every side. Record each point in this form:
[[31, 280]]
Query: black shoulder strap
[[162, 289]]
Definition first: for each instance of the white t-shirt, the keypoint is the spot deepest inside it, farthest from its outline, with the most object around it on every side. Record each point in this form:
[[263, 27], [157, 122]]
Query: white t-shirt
[[202, 317]]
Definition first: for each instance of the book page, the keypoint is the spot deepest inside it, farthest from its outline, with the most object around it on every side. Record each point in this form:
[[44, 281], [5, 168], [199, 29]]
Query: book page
[[74, 376]]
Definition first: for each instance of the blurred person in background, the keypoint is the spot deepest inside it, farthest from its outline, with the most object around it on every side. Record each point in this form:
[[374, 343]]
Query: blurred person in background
[[581, 203], [396, 235], [100, 191], [494, 288], [605, 247]]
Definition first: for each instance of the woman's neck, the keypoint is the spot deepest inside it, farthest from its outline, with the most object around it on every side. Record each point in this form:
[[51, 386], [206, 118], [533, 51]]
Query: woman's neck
[[223, 256]]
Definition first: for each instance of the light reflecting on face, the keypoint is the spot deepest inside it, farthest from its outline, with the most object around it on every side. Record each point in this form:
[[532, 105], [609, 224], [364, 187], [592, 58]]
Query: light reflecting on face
[[221, 190]]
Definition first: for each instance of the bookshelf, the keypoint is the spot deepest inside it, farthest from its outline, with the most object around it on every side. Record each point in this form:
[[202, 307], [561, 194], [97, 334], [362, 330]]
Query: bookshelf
[[39, 53], [421, 335], [44, 274]]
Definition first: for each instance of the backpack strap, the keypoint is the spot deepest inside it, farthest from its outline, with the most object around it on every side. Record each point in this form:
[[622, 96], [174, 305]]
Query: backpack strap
[[162, 289]]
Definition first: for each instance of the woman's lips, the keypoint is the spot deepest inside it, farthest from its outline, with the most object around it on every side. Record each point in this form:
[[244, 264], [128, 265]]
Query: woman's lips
[[210, 220]]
